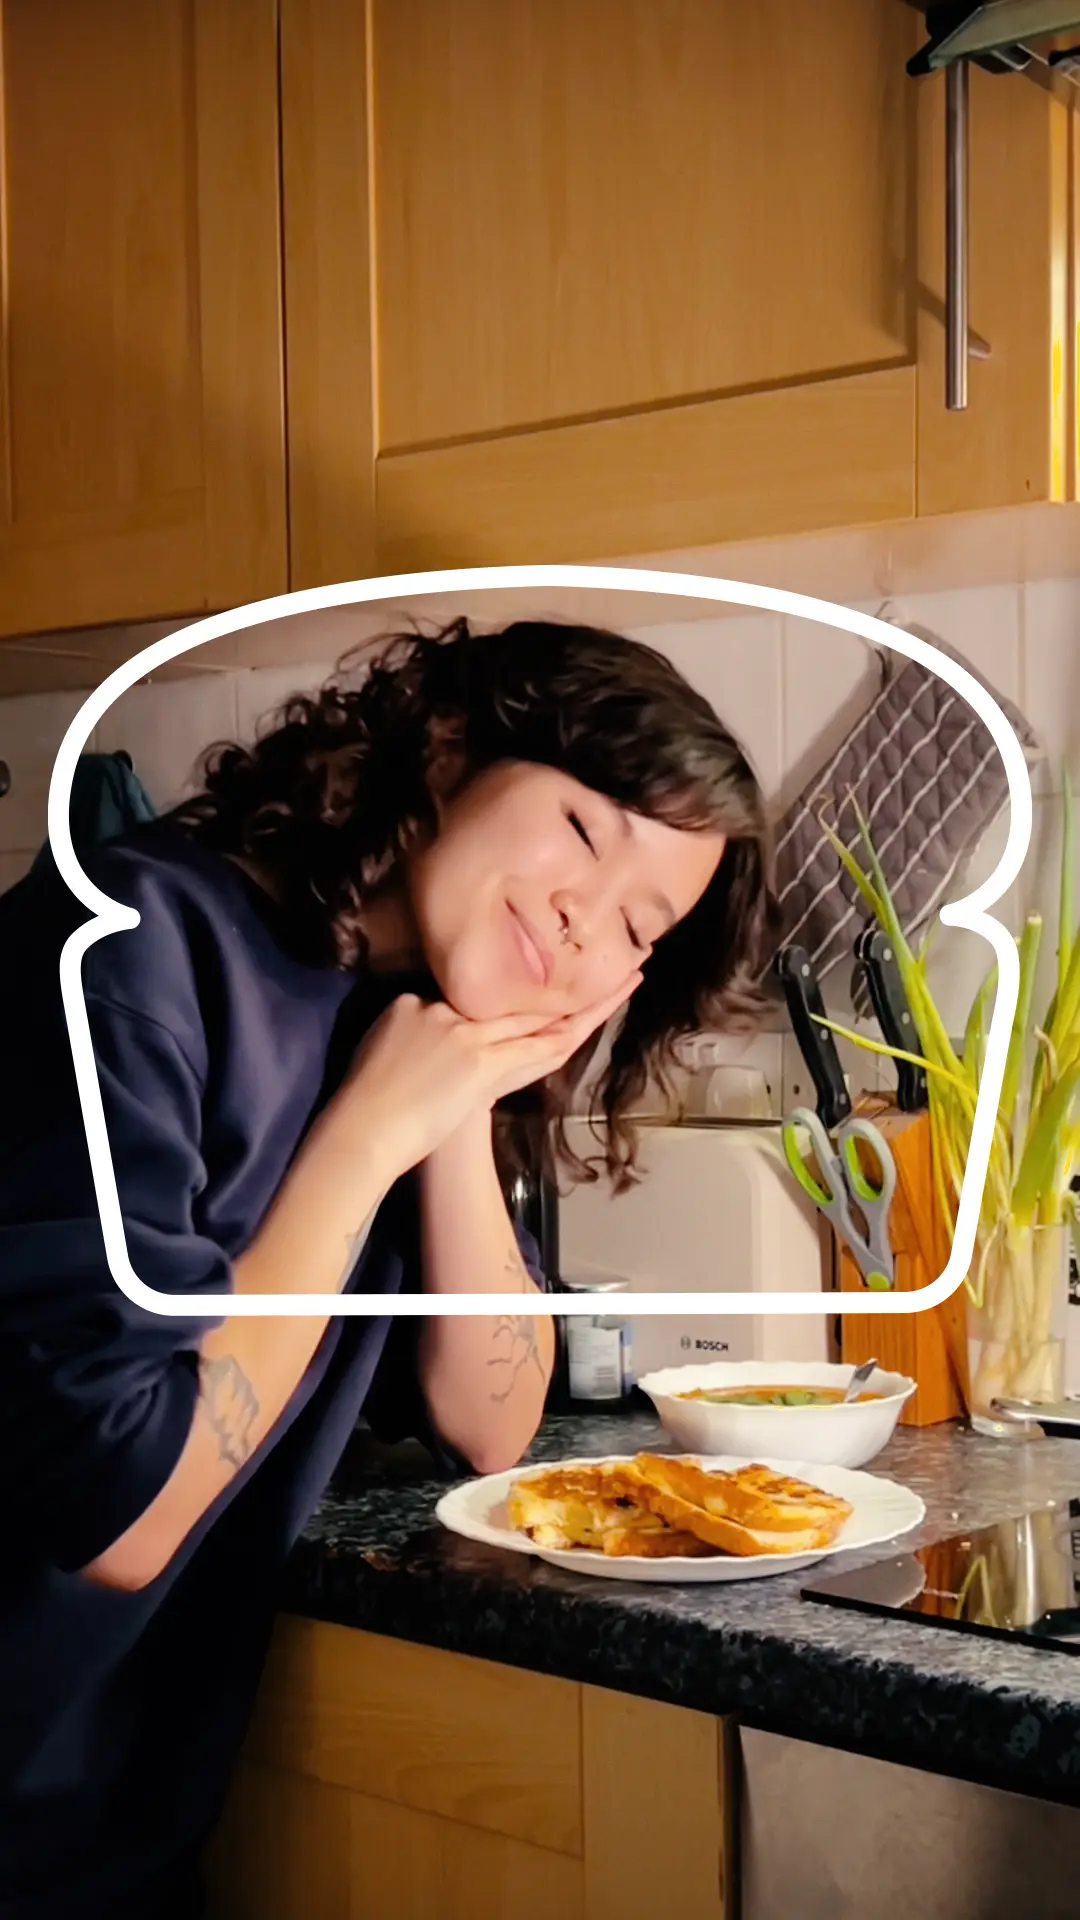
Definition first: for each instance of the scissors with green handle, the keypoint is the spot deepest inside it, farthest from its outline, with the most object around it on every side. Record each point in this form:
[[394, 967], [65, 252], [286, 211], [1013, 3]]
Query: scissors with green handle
[[847, 1194]]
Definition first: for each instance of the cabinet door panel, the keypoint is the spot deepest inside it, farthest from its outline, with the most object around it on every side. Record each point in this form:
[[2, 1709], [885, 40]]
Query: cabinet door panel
[[141, 392], [587, 279], [832, 453], [589, 209], [1013, 442], [324, 130], [104, 307]]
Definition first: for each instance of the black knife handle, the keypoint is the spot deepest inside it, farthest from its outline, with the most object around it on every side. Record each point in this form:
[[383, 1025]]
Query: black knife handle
[[1058, 1623], [881, 970], [805, 1007]]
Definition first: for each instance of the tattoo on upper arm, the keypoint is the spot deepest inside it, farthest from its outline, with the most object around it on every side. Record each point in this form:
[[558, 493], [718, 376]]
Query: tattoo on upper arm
[[516, 1339], [231, 1406]]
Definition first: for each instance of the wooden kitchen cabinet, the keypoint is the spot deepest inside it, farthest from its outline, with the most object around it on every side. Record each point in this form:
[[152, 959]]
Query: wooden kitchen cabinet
[[569, 279], [384, 1781], [141, 394]]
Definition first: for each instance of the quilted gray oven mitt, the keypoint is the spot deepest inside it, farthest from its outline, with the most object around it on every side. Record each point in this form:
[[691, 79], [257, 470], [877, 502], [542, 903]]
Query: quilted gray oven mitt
[[927, 776]]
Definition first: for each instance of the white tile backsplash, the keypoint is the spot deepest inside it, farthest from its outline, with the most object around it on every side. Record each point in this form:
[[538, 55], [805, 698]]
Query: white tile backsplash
[[31, 730], [737, 664], [1051, 677], [166, 725], [828, 679]]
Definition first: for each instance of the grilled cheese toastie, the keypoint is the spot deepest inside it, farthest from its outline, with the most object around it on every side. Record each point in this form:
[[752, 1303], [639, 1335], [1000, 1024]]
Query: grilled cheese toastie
[[749, 1511], [596, 1508], [655, 1507]]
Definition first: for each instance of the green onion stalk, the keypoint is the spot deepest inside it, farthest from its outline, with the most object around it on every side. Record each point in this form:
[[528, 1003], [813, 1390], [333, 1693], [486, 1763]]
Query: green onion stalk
[[1016, 1284]]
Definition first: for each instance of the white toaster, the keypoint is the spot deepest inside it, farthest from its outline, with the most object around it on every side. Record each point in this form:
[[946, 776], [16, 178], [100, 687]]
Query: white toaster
[[716, 1211]]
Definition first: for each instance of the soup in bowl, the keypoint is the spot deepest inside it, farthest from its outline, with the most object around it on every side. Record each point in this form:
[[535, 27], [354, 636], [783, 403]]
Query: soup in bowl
[[778, 1410], [775, 1396]]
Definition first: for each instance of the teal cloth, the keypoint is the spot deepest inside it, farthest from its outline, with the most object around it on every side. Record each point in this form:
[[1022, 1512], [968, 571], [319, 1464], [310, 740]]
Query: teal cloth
[[107, 800]]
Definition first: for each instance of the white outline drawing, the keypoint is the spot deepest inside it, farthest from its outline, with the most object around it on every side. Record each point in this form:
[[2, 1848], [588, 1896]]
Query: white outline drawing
[[110, 917]]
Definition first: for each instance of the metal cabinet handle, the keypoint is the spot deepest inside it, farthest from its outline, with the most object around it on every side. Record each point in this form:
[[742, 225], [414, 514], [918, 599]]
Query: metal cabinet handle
[[956, 236]]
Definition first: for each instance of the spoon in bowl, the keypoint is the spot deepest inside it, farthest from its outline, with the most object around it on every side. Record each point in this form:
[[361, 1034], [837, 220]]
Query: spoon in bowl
[[858, 1379]]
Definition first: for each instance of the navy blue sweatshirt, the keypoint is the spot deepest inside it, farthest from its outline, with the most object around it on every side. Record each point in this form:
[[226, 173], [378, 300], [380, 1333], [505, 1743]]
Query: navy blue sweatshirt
[[121, 1714]]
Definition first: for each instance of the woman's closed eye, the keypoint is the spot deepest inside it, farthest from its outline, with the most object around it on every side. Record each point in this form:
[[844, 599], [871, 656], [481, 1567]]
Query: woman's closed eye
[[581, 830], [639, 945]]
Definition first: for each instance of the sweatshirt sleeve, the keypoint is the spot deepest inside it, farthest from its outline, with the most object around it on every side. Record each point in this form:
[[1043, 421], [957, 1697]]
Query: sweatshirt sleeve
[[97, 1395]]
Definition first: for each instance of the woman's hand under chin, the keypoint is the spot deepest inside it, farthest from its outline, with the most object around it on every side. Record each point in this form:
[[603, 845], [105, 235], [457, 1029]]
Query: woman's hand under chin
[[424, 1069]]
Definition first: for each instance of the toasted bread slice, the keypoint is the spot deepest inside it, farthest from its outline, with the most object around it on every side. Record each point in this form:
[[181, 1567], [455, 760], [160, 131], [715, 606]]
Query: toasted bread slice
[[753, 1495], [583, 1507], [751, 1511], [667, 1544], [602, 1480]]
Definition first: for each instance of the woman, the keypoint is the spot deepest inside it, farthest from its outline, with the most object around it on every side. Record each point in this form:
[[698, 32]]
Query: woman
[[428, 888]]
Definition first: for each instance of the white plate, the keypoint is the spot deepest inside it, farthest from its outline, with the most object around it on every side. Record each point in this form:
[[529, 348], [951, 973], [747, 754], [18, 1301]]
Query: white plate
[[882, 1512]]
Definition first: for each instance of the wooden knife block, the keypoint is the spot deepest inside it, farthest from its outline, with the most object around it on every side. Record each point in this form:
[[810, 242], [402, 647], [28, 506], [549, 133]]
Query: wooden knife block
[[929, 1347]]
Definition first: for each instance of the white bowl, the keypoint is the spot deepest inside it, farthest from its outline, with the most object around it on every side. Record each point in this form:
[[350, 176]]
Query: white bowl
[[837, 1436]]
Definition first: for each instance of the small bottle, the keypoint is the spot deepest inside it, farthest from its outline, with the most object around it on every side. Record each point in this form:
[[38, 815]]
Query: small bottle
[[598, 1347]]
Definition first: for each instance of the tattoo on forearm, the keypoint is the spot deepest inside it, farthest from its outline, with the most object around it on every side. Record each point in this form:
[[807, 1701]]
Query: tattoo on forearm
[[516, 1339], [231, 1407], [517, 1347]]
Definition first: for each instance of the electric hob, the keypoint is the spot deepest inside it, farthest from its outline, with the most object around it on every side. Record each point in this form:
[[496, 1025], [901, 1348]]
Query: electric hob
[[1017, 1580]]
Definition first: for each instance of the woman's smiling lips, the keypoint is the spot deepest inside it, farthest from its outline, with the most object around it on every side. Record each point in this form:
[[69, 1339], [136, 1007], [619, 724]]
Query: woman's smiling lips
[[536, 955]]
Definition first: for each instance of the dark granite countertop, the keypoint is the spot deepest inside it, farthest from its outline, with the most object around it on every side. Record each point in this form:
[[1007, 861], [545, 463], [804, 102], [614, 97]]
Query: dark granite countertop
[[374, 1557]]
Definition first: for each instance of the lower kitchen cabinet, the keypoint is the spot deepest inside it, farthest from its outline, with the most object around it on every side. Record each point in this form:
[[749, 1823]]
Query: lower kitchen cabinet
[[385, 1781]]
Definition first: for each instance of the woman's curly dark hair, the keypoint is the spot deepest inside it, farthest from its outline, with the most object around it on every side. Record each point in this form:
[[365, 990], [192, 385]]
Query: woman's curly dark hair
[[326, 799]]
